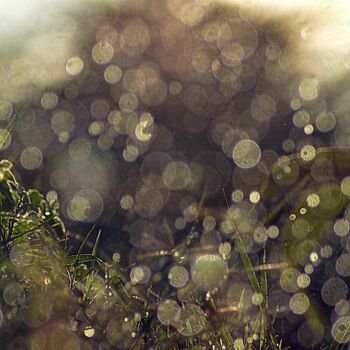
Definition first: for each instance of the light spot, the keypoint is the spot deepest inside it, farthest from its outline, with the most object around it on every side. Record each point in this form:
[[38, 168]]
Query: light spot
[[74, 65], [246, 154]]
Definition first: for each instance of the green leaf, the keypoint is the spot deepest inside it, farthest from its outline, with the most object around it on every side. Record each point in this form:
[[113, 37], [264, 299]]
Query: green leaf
[[36, 198]]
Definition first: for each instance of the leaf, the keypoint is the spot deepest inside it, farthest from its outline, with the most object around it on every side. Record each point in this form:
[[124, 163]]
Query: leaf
[[28, 230], [36, 198]]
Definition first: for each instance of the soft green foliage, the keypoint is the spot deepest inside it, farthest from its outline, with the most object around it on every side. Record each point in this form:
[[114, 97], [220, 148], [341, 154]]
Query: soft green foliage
[[77, 299], [44, 287]]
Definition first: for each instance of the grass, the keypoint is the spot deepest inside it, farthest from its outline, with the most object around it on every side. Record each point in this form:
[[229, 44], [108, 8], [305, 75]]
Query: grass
[[32, 233], [36, 262], [45, 288]]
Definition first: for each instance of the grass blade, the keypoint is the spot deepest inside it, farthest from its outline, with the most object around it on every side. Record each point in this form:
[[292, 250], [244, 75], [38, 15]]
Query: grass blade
[[81, 259], [94, 250], [247, 264], [244, 256], [83, 244], [257, 288], [5, 133]]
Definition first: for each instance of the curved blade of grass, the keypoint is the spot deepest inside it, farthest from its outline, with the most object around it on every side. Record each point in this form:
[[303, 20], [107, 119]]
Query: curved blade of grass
[[94, 249], [252, 277], [244, 256], [247, 264], [5, 133], [88, 283], [81, 259], [83, 244], [240, 305]]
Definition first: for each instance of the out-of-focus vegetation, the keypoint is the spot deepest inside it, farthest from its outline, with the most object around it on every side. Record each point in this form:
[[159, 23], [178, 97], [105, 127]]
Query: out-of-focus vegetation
[[51, 298], [198, 150]]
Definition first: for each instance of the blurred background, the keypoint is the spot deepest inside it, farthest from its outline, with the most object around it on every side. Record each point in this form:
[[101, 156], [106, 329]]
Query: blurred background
[[129, 112]]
